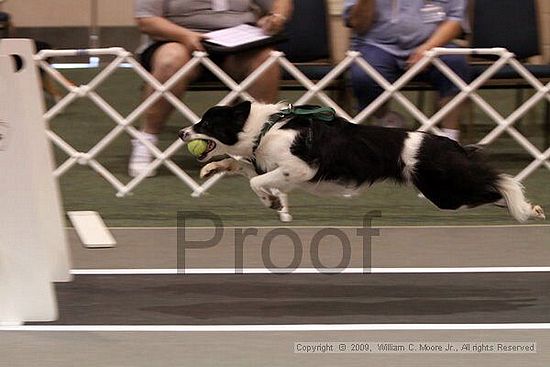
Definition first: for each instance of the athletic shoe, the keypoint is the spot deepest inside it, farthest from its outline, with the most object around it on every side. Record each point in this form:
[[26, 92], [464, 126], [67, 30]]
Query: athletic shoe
[[141, 157]]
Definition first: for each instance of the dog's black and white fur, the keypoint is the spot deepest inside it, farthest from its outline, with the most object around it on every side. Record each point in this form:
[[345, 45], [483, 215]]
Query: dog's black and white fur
[[341, 158]]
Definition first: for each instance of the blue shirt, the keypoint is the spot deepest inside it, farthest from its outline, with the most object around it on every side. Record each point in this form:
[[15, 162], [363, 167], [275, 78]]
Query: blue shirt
[[398, 26]]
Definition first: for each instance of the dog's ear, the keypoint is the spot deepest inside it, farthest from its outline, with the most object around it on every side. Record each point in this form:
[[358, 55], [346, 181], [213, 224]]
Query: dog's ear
[[241, 112]]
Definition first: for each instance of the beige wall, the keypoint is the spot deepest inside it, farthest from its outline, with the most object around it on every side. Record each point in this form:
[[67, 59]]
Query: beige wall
[[56, 13], [36, 13], [340, 34], [116, 12], [63, 13]]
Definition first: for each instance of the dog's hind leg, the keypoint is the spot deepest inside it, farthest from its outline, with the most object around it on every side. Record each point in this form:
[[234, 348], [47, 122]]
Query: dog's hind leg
[[453, 189], [514, 199]]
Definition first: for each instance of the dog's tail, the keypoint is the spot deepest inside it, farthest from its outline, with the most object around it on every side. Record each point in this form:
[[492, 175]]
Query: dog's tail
[[512, 192]]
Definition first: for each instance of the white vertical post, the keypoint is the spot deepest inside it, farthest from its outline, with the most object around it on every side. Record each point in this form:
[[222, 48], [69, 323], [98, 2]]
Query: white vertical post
[[33, 247]]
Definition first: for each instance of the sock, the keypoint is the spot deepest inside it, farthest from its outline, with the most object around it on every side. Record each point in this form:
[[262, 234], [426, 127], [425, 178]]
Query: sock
[[153, 138], [453, 134]]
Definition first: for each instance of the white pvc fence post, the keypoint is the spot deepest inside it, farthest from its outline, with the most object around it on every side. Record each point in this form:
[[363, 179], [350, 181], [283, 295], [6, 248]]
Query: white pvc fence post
[[33, 248]]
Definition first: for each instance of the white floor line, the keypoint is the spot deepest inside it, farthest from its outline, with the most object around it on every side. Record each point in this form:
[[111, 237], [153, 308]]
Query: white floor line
[[279, 328], [462, 226], [206, 271]]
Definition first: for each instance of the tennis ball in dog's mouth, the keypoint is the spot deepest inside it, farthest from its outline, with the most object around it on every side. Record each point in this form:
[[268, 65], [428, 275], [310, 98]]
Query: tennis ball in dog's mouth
[[197, 147]]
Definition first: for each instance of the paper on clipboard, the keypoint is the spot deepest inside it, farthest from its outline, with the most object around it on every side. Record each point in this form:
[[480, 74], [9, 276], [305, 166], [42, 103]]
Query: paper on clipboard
[[236, 36]]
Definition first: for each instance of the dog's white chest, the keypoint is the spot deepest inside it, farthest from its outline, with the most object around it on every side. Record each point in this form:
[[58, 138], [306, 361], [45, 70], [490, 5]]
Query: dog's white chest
[[274, 149]]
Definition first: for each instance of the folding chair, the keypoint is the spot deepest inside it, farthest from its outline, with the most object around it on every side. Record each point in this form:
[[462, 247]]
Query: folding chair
[[512, 24]]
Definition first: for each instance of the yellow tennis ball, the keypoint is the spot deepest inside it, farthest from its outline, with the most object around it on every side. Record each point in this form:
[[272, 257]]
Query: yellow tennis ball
[[197, 147]]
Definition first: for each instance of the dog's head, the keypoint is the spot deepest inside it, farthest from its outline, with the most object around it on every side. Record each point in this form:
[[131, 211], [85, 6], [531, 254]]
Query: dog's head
[[220, 127]]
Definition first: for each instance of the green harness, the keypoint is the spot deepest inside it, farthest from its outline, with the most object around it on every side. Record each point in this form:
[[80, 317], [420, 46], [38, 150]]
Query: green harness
[[326, 114], [313, 112]]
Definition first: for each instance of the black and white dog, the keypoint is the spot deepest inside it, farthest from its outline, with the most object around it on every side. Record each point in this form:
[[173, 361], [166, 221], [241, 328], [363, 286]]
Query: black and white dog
[[331, 156]]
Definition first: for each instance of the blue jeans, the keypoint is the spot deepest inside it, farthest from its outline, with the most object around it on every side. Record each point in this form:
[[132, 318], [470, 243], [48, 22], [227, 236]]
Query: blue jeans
[[391, 67]]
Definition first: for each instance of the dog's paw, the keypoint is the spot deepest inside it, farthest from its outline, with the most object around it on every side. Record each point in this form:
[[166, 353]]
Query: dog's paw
[[538, 212], [211, 169], [285, 217]]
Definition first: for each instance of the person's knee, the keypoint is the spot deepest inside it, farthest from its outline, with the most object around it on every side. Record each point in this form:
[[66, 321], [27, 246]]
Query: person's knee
[[384, 63], [169, 59], [242, 65]]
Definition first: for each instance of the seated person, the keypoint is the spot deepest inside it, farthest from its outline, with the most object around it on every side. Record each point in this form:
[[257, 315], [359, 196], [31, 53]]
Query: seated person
[[175, 29], [393, 35]]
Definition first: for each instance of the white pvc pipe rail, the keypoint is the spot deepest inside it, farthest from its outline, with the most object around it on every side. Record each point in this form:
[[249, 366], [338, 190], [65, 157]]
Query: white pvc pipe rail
[[125, 123]]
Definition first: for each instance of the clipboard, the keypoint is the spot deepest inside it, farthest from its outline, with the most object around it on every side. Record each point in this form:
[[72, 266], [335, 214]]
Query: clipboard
[[240, 38]]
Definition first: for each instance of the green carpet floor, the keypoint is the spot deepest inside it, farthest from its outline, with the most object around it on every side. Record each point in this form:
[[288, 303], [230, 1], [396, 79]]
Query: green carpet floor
[[157, 201]]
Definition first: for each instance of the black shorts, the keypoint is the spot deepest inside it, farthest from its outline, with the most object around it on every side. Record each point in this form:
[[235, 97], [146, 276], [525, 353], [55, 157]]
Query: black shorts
[[146, 56]]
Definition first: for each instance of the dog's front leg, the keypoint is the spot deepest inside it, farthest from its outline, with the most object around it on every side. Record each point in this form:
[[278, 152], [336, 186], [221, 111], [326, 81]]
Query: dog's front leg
[[269, 187], [229, 165], [284, 214]]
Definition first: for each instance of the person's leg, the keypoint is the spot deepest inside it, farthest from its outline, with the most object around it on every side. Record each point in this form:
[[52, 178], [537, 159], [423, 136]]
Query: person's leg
[[364, 87], [266, 88], [450, 124], [447, 90], [163, 61]]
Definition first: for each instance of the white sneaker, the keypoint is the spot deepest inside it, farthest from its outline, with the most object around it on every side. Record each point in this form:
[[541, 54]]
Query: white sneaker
[[141, 157], [392, 119]]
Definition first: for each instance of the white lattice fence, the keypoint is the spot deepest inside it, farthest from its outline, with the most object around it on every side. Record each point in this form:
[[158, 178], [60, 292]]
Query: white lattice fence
[[124, 124]]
